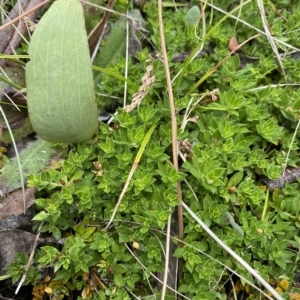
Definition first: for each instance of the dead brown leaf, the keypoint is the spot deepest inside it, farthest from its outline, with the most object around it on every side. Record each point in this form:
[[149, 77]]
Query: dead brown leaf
[[12, 204], [233, 44]]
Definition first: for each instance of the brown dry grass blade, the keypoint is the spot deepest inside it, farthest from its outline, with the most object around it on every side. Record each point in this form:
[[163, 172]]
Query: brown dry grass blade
[[23, 15], [11, 37], [174, 154]]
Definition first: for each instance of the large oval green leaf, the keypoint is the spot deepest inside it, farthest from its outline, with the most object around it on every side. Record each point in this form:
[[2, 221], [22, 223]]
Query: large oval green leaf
[[60, 88]]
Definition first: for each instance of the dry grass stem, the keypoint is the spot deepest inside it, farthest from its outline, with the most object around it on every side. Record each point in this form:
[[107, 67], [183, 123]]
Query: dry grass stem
[[30, 258], [147, 81], [23, 15]]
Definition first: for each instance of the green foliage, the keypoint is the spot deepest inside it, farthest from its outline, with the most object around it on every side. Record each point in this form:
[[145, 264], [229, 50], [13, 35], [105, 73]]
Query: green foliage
[[17, 269], [33, 160], [60, 74], [192, 16], [234, 139], [115, 44]]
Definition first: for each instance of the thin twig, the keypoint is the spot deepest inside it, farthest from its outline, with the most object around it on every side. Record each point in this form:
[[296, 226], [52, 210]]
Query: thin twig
[[30, 258], [174, 152], [290, 148], [18, 32], [233, 289], [133, 168], [127, 60], [23, 15], [95, 51], [269, 36]]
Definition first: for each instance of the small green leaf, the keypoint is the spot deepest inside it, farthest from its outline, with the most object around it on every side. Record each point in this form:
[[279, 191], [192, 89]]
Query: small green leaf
[[41, 216], [49, 254], [118, 280], [270, 131], [192, 16], [235, 179], [77, 176]]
